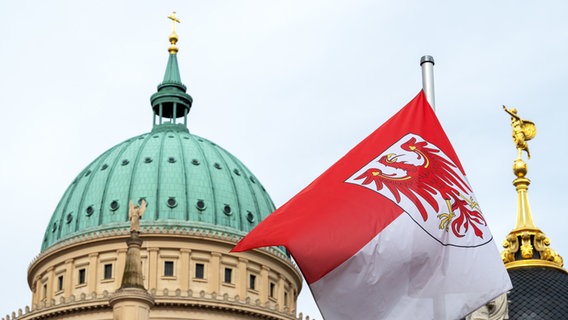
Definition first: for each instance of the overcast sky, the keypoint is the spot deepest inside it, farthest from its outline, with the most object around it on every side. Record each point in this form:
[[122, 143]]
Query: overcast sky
[[286, 86]]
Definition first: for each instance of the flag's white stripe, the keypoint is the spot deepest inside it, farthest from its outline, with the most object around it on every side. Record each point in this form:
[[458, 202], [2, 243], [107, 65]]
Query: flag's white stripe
[[404, 274]]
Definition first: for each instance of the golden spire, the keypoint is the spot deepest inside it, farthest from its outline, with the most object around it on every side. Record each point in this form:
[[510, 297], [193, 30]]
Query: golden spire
[[526, 245], [173, 36]]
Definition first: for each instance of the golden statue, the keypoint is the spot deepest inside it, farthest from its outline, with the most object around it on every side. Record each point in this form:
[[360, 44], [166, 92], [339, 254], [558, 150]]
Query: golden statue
[[134, 214], [523, 131]]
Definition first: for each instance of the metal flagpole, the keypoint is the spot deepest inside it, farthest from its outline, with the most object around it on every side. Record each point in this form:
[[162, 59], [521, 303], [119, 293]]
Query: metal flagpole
[[427, 64]]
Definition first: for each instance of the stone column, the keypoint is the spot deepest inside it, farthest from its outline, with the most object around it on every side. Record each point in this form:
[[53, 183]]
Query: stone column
[[131, 301], [132, 276], [131, 304]]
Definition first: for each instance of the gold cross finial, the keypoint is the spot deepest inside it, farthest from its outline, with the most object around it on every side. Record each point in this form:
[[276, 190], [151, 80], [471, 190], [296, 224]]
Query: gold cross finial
[[174, 19], [173, 36]]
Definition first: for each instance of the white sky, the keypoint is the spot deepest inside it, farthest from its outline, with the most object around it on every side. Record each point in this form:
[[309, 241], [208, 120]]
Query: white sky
[[286, 86]]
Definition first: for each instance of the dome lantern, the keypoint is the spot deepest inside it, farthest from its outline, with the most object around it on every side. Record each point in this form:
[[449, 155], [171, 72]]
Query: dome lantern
[[171, 101]]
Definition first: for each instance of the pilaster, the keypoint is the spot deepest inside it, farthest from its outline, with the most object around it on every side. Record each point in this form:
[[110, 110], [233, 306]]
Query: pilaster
[[68, 279], [184, 268], [50, 279], [242, 281], [215, 264], [264, 284], [92, 273], [152, 268]]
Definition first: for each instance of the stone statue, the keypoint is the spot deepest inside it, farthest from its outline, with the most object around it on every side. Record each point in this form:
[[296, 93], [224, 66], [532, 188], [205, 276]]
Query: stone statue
[[497, 309], [134, 214], [523, 131]]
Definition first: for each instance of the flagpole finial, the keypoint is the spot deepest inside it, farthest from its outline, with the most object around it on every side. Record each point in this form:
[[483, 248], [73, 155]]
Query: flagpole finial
[[522, 242], [427, 65], [427, 58]]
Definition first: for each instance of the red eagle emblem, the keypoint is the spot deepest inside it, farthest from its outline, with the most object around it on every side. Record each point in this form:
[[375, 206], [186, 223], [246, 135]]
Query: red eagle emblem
[[419, 177]]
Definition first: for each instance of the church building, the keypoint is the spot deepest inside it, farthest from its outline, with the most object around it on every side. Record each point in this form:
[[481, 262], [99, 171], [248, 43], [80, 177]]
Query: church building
[[145, 230]]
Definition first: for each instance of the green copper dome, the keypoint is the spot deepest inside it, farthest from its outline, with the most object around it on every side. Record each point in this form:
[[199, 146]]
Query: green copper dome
[[188, 182]]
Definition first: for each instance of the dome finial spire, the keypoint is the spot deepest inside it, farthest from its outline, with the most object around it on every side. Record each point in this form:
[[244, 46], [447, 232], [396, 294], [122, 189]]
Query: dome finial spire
[[173, 36], [526, 245]]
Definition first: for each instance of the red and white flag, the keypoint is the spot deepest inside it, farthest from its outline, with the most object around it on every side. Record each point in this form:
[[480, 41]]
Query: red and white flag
[[392, 230]]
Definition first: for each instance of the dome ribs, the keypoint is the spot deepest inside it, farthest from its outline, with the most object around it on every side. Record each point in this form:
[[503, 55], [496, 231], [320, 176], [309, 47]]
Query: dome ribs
[[172, 180], [185, 176], [235, 192], [49, 237], [97, 181], [145, 181], [159, 177], [91, 168], [196, 141], [135, 170], [110, 176], [256, 212], [64, 212]]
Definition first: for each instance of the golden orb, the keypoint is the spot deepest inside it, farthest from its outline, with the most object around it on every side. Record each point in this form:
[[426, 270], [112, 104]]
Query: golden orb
[[173, 49], [173, 37], [520, 168]]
